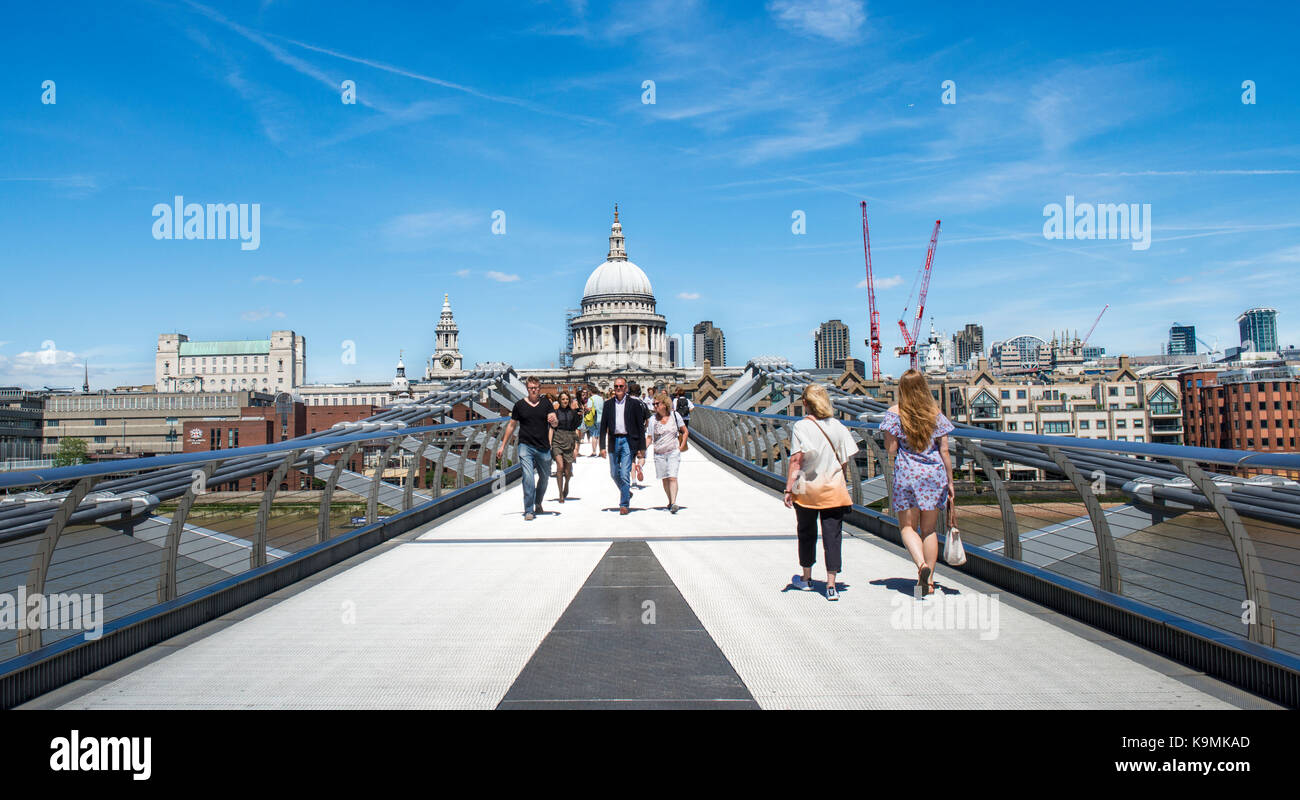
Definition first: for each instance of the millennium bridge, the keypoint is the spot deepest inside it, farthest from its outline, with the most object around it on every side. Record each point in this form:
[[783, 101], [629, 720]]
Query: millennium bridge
[[1149, 576]]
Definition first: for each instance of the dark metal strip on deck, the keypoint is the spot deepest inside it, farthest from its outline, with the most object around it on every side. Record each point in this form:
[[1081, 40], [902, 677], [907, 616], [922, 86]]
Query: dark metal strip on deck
[[628, 640]]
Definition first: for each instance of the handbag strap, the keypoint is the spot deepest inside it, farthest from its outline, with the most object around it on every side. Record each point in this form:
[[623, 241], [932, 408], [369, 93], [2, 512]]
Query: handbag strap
[[843, 468]]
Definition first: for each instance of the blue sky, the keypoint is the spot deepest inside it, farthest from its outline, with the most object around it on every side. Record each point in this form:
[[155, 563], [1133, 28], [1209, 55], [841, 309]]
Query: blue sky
[[371, 211]]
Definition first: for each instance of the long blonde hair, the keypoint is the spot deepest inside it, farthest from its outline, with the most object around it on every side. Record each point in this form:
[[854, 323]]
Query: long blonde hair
[[917, 410], [818, 401]]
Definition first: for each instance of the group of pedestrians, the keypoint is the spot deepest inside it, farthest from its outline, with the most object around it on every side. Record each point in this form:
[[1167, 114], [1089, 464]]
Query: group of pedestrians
[[623, 426], [916, 439]]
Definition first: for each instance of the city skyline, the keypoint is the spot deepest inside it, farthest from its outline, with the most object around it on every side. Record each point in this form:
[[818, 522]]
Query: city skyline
[[761, 125]]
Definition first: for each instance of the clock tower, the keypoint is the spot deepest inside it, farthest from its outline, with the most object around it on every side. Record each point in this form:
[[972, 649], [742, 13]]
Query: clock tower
[[445, 361]]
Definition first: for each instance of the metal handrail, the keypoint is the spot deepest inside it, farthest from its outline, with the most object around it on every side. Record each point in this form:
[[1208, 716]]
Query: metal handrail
[[1208, 455], [1163, 483], [33, 524]]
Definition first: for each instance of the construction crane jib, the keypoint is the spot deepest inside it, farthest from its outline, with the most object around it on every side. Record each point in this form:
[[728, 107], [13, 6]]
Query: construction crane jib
[[909, 337]]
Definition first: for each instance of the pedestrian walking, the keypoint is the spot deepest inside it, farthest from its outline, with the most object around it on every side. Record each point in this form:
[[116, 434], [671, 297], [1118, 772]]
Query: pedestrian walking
[[622, 438], [683, 407], [667, 436], [815, 485], [916, 437], [535, 416], [594, 405], [564, 443], [634, 474]]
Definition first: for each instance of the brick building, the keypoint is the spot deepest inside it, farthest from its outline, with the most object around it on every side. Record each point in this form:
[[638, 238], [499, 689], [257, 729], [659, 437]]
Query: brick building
[[1243, 409]]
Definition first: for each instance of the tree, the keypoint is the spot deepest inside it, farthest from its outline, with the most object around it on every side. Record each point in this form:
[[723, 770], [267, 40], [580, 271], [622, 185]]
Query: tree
[[72, 451]]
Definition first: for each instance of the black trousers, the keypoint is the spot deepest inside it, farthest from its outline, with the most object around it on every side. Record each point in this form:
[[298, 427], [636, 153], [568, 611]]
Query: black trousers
[[832, 534]]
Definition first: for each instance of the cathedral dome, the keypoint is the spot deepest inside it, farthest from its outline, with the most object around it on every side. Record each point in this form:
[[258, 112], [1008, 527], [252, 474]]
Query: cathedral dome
[[617, 277]]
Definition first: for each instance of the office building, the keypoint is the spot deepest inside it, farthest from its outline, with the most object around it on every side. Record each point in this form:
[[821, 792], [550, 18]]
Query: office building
[[710, 345], [1255, 408], [1182, 340], [830, 343], [276, 364], [1258, 328], [969, 342]]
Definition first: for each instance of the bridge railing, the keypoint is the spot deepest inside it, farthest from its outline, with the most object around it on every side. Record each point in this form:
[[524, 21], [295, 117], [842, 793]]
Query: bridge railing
[[1209, 535], [100, 542]]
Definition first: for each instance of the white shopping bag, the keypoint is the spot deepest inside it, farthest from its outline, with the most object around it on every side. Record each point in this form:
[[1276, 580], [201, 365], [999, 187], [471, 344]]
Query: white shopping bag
[[953, 552]]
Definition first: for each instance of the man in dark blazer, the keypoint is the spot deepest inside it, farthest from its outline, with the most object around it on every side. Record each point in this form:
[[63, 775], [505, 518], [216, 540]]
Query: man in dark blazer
[[622, 435]]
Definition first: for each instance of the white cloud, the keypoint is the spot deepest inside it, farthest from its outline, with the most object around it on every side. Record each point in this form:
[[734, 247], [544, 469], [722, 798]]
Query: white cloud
[[501, 277], [273, 279], [42, 364], [464, 273], [254, 316], [838, 20], [688, 295], [883, 283]]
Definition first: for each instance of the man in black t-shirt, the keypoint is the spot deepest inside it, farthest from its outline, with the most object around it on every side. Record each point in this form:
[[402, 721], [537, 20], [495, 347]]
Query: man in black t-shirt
[[535, 417]]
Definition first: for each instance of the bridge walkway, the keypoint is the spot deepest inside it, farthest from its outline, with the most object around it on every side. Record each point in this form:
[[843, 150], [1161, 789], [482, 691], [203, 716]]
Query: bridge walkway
[[585, 608]]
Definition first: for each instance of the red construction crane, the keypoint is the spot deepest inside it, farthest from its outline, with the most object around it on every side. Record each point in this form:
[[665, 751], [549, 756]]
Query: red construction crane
[[909, 337], [874, 341], [1094, 325]]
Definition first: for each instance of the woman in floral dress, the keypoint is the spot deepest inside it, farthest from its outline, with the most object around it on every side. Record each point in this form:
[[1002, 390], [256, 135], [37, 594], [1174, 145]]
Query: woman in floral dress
[[916, 435]]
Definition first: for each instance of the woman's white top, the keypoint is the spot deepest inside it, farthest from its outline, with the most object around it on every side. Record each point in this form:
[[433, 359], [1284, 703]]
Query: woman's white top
[[819, 458]]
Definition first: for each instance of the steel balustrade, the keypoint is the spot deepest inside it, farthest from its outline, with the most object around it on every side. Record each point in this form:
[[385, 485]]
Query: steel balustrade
[[109, 570], [1164, 524]]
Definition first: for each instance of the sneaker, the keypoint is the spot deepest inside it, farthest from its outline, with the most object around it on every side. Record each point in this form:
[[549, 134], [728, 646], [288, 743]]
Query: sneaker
[[528, 517], [831, 592], [799, 583], [672, 509]]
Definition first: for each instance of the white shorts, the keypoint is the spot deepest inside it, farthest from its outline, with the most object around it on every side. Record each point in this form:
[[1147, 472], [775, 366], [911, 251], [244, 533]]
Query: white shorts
[[666, 464]]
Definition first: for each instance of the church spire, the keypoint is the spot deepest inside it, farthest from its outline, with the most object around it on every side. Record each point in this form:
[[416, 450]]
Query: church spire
[[616, 250]]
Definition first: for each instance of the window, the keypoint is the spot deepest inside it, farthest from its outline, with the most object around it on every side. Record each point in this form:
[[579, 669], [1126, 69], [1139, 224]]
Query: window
[[1056, 427], [1121, 423], [101, 440], [1021, 409], [1006, 409], [1130, 391], [1114, 406], [1006, 394], [1020, 394], [1137, 423], [1113, 391], [1011, 426], [1121, 438], [1029, 426], [1250, 423], [1083, 424], [101, 421], [1101, 424], [51, 423], [171, 421], [51, 440], [1139, 439]]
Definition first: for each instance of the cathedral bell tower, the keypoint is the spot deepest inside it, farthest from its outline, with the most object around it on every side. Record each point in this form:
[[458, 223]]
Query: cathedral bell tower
[[445, 361]]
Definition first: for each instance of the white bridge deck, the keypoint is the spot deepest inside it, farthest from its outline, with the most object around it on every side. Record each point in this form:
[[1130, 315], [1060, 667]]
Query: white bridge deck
[[456, 614]]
